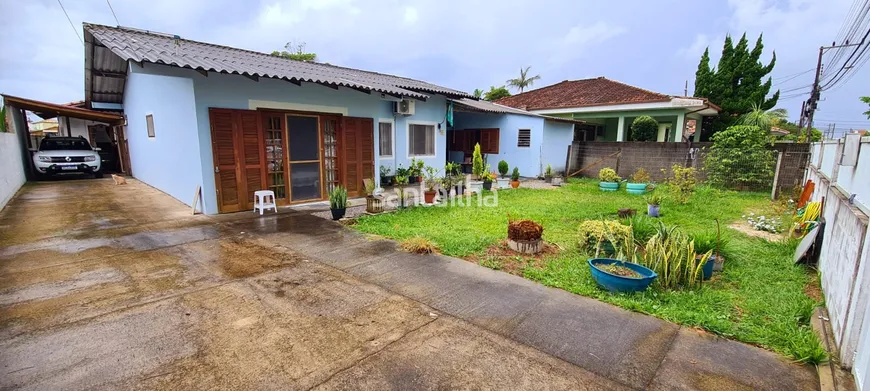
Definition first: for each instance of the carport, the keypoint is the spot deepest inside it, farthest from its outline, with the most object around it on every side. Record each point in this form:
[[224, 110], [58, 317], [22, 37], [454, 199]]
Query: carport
[[104, 129]]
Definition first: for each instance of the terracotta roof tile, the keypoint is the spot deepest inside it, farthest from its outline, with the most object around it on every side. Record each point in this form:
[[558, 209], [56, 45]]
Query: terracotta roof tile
[[599, 91]]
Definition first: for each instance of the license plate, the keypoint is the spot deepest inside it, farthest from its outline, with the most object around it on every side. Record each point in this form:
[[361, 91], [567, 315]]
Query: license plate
[[68, 168]]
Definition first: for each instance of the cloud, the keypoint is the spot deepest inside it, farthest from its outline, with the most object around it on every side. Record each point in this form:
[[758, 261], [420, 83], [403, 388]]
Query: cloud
[[702, 41], [580, 38], [410, 15]]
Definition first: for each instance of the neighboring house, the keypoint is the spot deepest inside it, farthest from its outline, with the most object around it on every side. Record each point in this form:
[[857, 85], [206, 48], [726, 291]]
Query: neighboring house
[[608, 107], [234, 121], [525, 140]]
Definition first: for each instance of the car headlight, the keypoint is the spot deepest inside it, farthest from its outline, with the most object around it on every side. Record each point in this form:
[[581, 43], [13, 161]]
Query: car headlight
[[90, 158], [45, 159]]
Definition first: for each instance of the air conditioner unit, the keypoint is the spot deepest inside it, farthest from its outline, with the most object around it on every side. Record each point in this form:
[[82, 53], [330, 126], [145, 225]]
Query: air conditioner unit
[[405, 107]]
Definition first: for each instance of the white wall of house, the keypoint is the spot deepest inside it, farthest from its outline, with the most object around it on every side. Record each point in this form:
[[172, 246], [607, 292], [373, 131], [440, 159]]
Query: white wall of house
[[12, 168], [554, 148], [845, 255], [169, 161]]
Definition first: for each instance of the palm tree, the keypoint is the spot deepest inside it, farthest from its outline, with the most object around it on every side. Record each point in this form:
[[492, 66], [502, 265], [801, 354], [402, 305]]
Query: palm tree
[[477, 93], [524, 80], [763, 119]]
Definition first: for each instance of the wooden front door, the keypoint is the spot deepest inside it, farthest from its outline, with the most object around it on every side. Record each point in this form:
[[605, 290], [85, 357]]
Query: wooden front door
[[123, 149], [357, 153], [237, 149]]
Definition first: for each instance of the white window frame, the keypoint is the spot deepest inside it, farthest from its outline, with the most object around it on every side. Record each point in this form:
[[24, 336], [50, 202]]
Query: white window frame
[[408, 138], [392, 122]]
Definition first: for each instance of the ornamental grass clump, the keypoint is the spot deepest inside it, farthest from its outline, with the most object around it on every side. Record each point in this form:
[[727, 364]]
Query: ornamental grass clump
[[419, 245], [608, 174], [671, 254]]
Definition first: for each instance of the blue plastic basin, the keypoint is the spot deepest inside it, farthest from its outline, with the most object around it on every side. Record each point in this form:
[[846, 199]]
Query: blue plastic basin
[[608, 186], [635, 188], [615, 283]]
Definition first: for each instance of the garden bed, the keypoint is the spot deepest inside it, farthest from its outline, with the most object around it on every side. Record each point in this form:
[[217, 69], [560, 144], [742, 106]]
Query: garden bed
[[759, 298]]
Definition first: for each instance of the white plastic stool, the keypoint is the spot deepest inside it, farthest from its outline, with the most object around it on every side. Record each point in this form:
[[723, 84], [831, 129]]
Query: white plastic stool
[[264, 199]]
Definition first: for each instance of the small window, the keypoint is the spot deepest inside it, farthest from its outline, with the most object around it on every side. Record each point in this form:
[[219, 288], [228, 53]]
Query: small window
[[385, 134], [524, 139], [421, 140], [149, 122]]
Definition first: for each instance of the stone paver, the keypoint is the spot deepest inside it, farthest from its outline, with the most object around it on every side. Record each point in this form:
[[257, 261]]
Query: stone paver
[[129, 291]]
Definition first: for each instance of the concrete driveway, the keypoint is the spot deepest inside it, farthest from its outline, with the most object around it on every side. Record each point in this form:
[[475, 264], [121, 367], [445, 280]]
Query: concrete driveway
[[119, 287]]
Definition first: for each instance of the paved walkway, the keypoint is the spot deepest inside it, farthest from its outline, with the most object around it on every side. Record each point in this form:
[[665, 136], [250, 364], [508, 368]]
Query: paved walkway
[[118, 287]]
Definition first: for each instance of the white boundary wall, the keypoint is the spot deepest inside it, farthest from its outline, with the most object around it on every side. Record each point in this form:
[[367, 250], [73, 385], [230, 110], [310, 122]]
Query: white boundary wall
[[844, 263]]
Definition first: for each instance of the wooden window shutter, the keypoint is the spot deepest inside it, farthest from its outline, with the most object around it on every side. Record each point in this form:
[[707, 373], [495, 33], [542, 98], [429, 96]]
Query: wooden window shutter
[[489, 141]]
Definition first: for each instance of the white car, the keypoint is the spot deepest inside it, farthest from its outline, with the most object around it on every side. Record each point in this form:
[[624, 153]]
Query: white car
[[67, 154]]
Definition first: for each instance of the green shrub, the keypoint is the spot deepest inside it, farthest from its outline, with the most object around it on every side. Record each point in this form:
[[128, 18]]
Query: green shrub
[[515, 176], [477, 168], [591, 232], [640, 176], [549, 171], [607, 174], [643, 227], [644, 128], [503, 168], [681, 183], [739, 159], [706, 241]]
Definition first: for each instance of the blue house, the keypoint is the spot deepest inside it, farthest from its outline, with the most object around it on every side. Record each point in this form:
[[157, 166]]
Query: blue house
[[234, 121]]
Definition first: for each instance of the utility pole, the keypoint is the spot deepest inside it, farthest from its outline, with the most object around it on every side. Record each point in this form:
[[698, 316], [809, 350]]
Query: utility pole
[[803, 112], [686, 89], [812, 103]]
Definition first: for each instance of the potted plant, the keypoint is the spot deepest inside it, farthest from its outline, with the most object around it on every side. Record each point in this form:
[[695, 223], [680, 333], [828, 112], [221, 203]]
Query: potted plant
[[431, 183], [401, 171], [503, 169], [488, 177], [477, 170], [524, 236], [386, 178], [446, 190], [338, 202], [374, 203], [637, 182], [415, 169], [620, 276], [609, 179], [653, 201], [712, 242], [548, 174], [515, 178], [401, 182]]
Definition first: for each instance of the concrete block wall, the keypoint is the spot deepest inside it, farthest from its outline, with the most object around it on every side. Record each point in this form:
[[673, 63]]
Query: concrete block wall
[[658, 158]]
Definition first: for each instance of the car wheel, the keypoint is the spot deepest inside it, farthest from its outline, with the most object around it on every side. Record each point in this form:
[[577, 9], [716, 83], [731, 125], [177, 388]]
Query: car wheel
[[98, 174]]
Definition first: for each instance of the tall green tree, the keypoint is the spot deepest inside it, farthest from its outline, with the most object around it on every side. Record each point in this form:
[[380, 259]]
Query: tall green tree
[[295, 52], [866, 99], [496, 93], [524, 81], [737, 82], [478, 93]]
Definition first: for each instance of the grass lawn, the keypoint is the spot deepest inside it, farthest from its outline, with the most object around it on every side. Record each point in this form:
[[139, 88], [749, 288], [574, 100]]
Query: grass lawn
[[759, 298]]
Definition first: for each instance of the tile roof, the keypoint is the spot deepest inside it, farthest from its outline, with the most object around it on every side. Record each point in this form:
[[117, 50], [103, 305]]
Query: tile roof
[[472, 105], [146, 46], [599, 91]]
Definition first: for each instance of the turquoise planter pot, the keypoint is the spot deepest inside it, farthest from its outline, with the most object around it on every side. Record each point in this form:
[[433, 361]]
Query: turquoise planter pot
[[635, 188], [608, 186], [615, 283]]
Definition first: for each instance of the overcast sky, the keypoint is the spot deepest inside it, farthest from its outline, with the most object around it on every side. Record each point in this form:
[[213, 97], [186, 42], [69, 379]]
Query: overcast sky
[[459, 44]]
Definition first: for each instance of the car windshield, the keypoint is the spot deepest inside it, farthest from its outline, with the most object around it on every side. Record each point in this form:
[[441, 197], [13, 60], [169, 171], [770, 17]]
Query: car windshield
[[64, 145]]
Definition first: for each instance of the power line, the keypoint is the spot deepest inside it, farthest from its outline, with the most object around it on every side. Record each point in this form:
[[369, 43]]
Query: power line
[[792, 76], [71, 23], [113, 12]]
